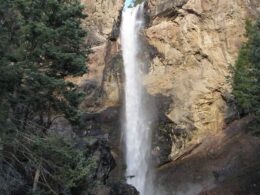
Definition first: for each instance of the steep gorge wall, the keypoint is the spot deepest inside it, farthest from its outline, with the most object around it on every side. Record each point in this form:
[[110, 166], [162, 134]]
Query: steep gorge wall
[[191, 44], [102, 82], [209, 152], [197, 41]]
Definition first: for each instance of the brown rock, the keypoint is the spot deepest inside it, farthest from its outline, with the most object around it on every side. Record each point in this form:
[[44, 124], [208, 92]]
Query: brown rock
[[198, 42], [101, 83]]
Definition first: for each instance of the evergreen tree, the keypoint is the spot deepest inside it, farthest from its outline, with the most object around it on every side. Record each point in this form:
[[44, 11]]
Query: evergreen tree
[[41, 42], [9, 72], [247, 73], [136, 2], [50, 46]]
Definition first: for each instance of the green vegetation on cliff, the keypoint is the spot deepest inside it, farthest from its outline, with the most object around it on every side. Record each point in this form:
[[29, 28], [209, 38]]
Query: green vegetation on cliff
[[41, 42], [246, 82], [138, 2]]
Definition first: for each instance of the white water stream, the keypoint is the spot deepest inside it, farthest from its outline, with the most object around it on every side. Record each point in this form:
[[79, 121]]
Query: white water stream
[[137, 128]]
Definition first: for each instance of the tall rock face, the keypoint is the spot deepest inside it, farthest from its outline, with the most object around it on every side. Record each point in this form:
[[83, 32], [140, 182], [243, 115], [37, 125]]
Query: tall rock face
[[102, 16], [197, 41], [101, 83], [199, 145], [190, 45]]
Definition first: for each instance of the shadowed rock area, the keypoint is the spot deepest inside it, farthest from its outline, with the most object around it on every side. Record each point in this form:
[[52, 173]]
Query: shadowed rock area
[[224, 163]]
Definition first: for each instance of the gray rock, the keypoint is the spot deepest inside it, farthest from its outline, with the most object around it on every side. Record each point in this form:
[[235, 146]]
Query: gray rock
[[123, 189]]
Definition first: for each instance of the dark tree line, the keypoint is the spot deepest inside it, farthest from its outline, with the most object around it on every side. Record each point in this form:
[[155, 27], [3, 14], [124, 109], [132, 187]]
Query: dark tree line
[[41, 42], [246, 81]]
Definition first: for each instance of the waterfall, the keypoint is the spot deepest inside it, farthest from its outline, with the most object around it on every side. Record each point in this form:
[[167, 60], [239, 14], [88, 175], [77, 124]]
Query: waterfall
[[137, 119]]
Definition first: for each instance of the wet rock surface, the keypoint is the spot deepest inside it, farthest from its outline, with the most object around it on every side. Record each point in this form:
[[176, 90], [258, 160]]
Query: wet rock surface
[[123, 189]]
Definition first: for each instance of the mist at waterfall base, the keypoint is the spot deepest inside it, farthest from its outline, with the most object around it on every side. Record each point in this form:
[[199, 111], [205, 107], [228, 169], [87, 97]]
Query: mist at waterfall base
[[138, 115]]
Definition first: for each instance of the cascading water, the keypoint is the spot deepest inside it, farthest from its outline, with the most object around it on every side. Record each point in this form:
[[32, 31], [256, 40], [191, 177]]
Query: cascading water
[[137, 119]]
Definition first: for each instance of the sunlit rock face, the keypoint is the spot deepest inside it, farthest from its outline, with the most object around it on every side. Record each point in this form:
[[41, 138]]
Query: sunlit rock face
[[197, 41], [102, 16], [102, 82]]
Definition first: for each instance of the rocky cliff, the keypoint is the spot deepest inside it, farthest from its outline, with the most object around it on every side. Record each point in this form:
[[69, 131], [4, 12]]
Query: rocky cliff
[[102, 82], [191, 45], [198, 41]]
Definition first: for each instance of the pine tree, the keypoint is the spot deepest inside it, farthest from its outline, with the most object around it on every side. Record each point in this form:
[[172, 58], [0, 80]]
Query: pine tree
[[50, 44], [247, 73], [41, 42], [136, 2], [9, 72]]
